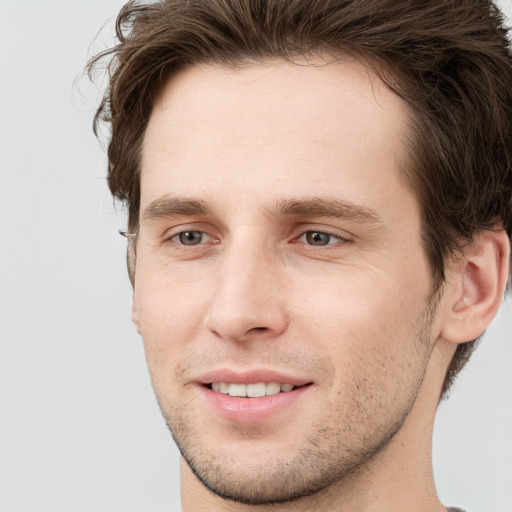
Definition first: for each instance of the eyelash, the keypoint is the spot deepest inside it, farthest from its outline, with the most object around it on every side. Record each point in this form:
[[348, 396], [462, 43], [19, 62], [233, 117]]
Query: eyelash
[[337, 236], [195, 231], [339, 239]]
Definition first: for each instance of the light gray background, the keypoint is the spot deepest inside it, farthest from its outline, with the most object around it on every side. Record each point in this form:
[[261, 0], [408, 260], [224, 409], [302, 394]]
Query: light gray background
[[79, 427]]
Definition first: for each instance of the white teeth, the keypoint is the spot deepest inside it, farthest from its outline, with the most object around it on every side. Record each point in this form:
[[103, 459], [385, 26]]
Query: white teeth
[[273, 388], [255, 390], [238, 390]]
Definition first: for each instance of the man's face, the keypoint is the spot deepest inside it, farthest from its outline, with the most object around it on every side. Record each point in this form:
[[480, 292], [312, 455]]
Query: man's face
[[278, 247]]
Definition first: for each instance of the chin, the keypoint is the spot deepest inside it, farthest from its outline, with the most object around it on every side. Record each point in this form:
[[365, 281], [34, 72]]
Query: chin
[[263, 484], [257, 475]]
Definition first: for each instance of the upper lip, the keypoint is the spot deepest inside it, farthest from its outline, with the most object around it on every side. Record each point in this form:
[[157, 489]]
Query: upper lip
[[251, 377]]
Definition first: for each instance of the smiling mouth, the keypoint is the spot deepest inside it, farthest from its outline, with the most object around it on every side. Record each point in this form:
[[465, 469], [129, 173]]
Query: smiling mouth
[[256, 390]]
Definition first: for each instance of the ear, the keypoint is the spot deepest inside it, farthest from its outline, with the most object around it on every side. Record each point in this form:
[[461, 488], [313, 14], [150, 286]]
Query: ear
[[135, 316], [477, 286]]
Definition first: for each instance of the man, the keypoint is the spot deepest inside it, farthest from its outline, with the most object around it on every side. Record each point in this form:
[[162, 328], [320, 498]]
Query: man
[[319, 197]]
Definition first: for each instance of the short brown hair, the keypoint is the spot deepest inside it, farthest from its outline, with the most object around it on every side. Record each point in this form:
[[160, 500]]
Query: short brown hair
[[449, 60]]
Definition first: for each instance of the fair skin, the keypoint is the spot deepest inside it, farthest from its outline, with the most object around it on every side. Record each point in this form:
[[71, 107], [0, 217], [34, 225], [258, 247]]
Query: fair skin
[[279, 244]]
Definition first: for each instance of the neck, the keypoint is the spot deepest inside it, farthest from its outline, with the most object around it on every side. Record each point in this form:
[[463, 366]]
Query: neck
[[399, 478]]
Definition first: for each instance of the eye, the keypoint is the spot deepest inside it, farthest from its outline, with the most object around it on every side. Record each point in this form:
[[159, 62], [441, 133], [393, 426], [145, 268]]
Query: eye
[[191, 238], [320, 238]]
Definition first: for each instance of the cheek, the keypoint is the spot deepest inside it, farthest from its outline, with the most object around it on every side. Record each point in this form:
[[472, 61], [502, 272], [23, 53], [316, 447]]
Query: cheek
[[379, 359], [170, 316], [354, 302], [366, 324]]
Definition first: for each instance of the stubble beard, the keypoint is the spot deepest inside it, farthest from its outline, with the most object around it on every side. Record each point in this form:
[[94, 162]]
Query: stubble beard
[[340, 446], [312, 470]]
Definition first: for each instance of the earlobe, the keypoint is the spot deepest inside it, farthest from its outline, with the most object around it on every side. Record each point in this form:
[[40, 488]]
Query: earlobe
[[135, 316], [478, 286]]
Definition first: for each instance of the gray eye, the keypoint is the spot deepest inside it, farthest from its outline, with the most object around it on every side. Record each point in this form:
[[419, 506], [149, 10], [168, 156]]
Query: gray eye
[[318, 238], [190, 237]]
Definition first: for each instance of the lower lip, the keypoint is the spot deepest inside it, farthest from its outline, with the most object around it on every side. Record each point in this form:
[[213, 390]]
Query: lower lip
[[251, 410]]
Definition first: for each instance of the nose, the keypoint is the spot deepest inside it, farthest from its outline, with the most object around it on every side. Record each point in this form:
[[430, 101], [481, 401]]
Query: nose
[[248, 301]]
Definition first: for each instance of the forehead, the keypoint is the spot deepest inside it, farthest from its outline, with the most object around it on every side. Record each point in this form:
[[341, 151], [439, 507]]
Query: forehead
[[214, 129]]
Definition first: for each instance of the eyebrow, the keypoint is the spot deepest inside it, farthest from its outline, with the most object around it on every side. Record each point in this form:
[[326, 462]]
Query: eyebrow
[[175, 206], [172, 206], [325, 207]]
